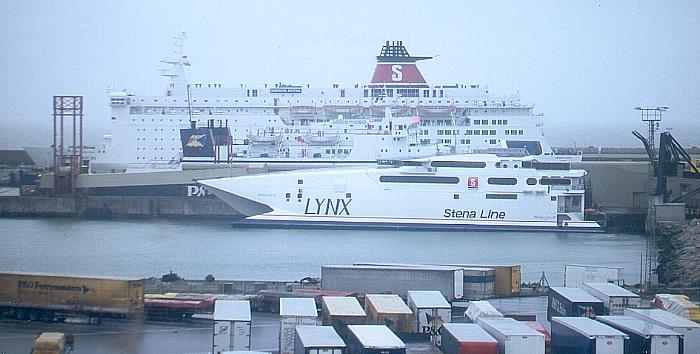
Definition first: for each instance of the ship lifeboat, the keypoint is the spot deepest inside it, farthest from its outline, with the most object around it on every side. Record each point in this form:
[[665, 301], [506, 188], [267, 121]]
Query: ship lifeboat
[[303, 110], [263, 139], [321, 139], [378, 110], [436, 110], [346, 110]]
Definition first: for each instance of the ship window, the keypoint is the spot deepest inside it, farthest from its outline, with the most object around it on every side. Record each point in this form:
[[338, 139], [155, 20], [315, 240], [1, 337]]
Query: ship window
[[348, 195], [456, 196], [505, 122], [484, 132], [288, 195], [553, 198], [460, 164], [467, 132], [555, 181], [492, 132], [419, 179], [504, 181], [298, 195], [300, 181], [501, 196], [492, 141], [531, 181]]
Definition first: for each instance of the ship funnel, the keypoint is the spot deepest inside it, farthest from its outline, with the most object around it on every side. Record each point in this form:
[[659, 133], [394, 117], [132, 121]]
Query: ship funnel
[[396, 67]]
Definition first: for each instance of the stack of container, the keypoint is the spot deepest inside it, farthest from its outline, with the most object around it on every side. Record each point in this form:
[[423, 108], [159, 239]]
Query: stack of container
[[231, 326], [478, 283], [478, 309], [584, 335], [373, 339], [390, 311], [467, 338], [645, 337], [689, 329], [513, 337], [317, 340], [294, 312], [572, 302], [341, 311], [430, 311], [615, 298]]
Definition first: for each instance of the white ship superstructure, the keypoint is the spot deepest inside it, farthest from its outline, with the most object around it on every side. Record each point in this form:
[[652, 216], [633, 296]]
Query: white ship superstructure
[[458, 192], [300, 122]]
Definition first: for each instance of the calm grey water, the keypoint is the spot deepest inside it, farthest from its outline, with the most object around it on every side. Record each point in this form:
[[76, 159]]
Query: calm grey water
[[193, 249]]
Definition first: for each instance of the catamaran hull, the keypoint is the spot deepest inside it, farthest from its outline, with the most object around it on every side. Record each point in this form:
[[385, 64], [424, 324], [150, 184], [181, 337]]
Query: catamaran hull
[[414, 224]]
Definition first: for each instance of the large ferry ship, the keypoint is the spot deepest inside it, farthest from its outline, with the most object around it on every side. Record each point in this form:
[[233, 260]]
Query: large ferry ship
[[196, 125], [458, 192]]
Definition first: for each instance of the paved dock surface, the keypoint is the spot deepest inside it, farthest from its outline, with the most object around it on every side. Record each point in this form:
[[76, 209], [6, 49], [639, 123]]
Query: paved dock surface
[[195, 336]]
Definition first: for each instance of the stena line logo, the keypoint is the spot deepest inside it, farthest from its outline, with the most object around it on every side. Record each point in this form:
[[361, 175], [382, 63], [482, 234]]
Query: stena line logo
[[396, 74], [328, 206]]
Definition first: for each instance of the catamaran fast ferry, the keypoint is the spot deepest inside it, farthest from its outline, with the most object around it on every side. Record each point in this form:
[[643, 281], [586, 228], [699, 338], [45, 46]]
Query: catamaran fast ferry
[[457, 192]]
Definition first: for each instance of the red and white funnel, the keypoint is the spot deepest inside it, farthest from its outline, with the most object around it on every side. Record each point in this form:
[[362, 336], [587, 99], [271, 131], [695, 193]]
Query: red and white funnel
[[396, 67]]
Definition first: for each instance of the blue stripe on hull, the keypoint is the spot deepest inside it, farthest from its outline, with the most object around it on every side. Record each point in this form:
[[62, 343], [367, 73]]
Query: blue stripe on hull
[[288, 224]]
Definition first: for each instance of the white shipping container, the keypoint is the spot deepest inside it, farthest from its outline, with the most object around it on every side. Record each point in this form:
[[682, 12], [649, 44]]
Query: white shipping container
[[478, 309], [294, 312], [615, 298], [430, 311], [689, 329], [513, 337], [318, 340], [577, 274], [231, 326]]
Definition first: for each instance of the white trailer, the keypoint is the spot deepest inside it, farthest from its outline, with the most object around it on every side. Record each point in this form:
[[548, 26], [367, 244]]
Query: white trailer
[[577, 274], [689, 329], [231, 326], [584, 335], [513, 337], [318, 340], [380, 279], [430, 311], [615, 298], [294, 312], [645, 337], [677, 304], [479, 309]]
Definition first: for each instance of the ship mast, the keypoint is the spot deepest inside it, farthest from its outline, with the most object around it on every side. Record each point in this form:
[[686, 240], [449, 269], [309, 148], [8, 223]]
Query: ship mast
[[176, 72]]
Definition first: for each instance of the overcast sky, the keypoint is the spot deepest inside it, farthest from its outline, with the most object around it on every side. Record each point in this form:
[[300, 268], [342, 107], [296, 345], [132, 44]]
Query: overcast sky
[[584, 64]]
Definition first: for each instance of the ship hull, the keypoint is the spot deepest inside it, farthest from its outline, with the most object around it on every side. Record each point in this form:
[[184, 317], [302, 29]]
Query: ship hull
[[283, 221]]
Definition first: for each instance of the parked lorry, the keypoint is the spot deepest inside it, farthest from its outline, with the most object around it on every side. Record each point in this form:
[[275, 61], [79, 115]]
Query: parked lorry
[[294, 312], [615, 298], [645, 337], [479, 309], [467, 338], [586, 336], [231, 330], [373, 339], [577, 274], [53, 343], [678, 304], [689, 329], [380, 279], [513, 337], [37, 296], [572, 302], [430, 312], [317, 340]]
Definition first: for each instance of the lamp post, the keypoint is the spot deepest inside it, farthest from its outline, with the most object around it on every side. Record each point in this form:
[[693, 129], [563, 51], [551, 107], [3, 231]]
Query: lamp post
[[652, 116]]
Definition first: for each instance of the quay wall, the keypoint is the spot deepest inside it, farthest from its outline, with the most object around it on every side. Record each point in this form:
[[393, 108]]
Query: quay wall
[[106, 206]]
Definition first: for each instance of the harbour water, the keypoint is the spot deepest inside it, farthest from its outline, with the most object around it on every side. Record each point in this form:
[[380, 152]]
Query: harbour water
[[193, 249]]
